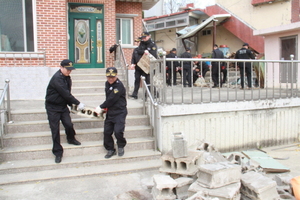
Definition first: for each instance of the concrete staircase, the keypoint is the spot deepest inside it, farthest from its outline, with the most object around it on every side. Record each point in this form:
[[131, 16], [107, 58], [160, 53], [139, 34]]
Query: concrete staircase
[[27, 155]]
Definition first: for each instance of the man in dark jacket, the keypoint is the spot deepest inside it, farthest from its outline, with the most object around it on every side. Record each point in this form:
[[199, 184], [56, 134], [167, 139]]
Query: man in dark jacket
[[58, 97], [245, 53], [187, 68], [216, 66], [146, 46], [172, 67], [115, 106]]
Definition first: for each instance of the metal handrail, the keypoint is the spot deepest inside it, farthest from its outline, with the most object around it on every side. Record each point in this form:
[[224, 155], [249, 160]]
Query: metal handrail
[[4, 110], [122, 59], [153, 116]]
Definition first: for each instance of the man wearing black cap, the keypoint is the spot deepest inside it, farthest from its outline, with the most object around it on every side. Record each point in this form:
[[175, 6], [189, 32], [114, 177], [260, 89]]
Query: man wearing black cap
[[115, 106], [58, 97], [172, 68], [146, 46], [245, 67], [187, 68]]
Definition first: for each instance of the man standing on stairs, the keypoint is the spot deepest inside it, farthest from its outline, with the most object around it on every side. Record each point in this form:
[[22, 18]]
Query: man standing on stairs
[[146, 46], [58, 97], [115, 106]]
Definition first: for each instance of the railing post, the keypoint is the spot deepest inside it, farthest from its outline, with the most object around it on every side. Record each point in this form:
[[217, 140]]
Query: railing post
[[292, 74], [8, 100]]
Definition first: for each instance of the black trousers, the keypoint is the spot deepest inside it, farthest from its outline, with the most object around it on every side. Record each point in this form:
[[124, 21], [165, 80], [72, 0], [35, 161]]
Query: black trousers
[[215, 73], [247, 70], [172, 75], [114, 123], [54, 117], [137, 75], [187, 76]]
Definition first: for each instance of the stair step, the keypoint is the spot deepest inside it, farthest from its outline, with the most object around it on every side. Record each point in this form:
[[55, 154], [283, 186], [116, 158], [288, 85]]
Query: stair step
[[80, 123], [92, 134], [75, 172], [18, 166], [40, 114], [87, 147]]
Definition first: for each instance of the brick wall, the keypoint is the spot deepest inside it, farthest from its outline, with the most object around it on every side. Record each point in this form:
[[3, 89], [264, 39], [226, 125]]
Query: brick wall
[[131, 8], [295, 11]]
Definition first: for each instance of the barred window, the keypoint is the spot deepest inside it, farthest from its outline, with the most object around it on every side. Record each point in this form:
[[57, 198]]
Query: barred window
[[16, 25]]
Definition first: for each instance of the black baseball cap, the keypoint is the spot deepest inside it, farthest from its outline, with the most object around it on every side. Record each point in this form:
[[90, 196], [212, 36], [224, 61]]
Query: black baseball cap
[[173, 49], [188, 49], [145, 34], [246, 44], [68, 64], [111, 71]]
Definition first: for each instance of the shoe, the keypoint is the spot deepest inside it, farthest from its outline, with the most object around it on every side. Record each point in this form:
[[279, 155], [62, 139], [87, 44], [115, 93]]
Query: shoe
[[74, 141], [121, 151], [215, 86], [110, 153], [132, 96], [57, 159]]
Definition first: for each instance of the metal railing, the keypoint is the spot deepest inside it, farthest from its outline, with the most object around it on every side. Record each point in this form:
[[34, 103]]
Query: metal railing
[[271, 79], [152, 112], [122, 65], [5, 112]]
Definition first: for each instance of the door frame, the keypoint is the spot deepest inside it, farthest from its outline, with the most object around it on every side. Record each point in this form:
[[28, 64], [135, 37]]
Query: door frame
[[93, 17]]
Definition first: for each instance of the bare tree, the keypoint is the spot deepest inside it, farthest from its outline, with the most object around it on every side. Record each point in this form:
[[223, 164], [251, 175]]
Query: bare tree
[[172, 6]]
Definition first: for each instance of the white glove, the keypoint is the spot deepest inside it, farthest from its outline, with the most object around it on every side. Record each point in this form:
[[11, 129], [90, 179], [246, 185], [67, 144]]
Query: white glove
[[80, 106], [98, 110], [146, 52]]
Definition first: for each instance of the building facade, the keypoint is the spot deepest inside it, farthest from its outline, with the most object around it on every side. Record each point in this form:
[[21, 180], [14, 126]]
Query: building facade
[[37, 34]]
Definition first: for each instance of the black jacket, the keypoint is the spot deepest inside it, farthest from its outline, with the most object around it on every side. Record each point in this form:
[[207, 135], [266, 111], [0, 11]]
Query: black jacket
[[115, 100], [244, 53], [58, 92], [186, 64], [169, 63], [147, 45]]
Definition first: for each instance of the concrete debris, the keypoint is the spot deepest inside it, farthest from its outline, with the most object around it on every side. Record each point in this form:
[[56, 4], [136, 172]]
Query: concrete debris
[[218, 174], [206, 174], [259, 187], [231, 191], [179, 146], [163, 187]]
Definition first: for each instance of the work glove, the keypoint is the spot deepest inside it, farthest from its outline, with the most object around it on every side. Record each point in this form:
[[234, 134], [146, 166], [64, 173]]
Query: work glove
[[80, 106], [98, 110]]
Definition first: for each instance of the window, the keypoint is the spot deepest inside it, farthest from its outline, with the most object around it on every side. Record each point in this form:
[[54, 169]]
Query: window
[[206, 32], [170, 23], [124, 30], [160, 25], [16, 25]]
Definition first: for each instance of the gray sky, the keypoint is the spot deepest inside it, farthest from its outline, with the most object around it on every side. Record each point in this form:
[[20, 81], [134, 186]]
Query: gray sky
[[203, 3]]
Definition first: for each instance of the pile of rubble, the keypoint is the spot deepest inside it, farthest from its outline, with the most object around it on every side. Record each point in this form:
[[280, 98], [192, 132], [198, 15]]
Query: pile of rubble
[[203, 173]]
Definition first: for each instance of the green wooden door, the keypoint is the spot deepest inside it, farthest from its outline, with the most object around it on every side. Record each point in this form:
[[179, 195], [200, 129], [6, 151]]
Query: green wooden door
[[86, 46]]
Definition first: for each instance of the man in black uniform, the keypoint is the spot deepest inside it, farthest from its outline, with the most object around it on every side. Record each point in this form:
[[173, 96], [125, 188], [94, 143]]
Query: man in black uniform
[[146, 46], [115, 106], [187, 68], [172, 68], [58, 97], [216, 66], [245, 53]]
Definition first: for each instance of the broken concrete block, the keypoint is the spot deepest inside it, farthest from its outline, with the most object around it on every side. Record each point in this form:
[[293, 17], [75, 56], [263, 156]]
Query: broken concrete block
[[285, 195], [283, 179], [183, 184], [184, 166], [188, 166], [258, 187], [228, 192], [168, 163], [164, 187], [179, 146], [218, 174]]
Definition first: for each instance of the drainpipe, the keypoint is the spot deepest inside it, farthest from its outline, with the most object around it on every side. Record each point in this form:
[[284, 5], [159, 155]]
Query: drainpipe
[[214, 32]]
